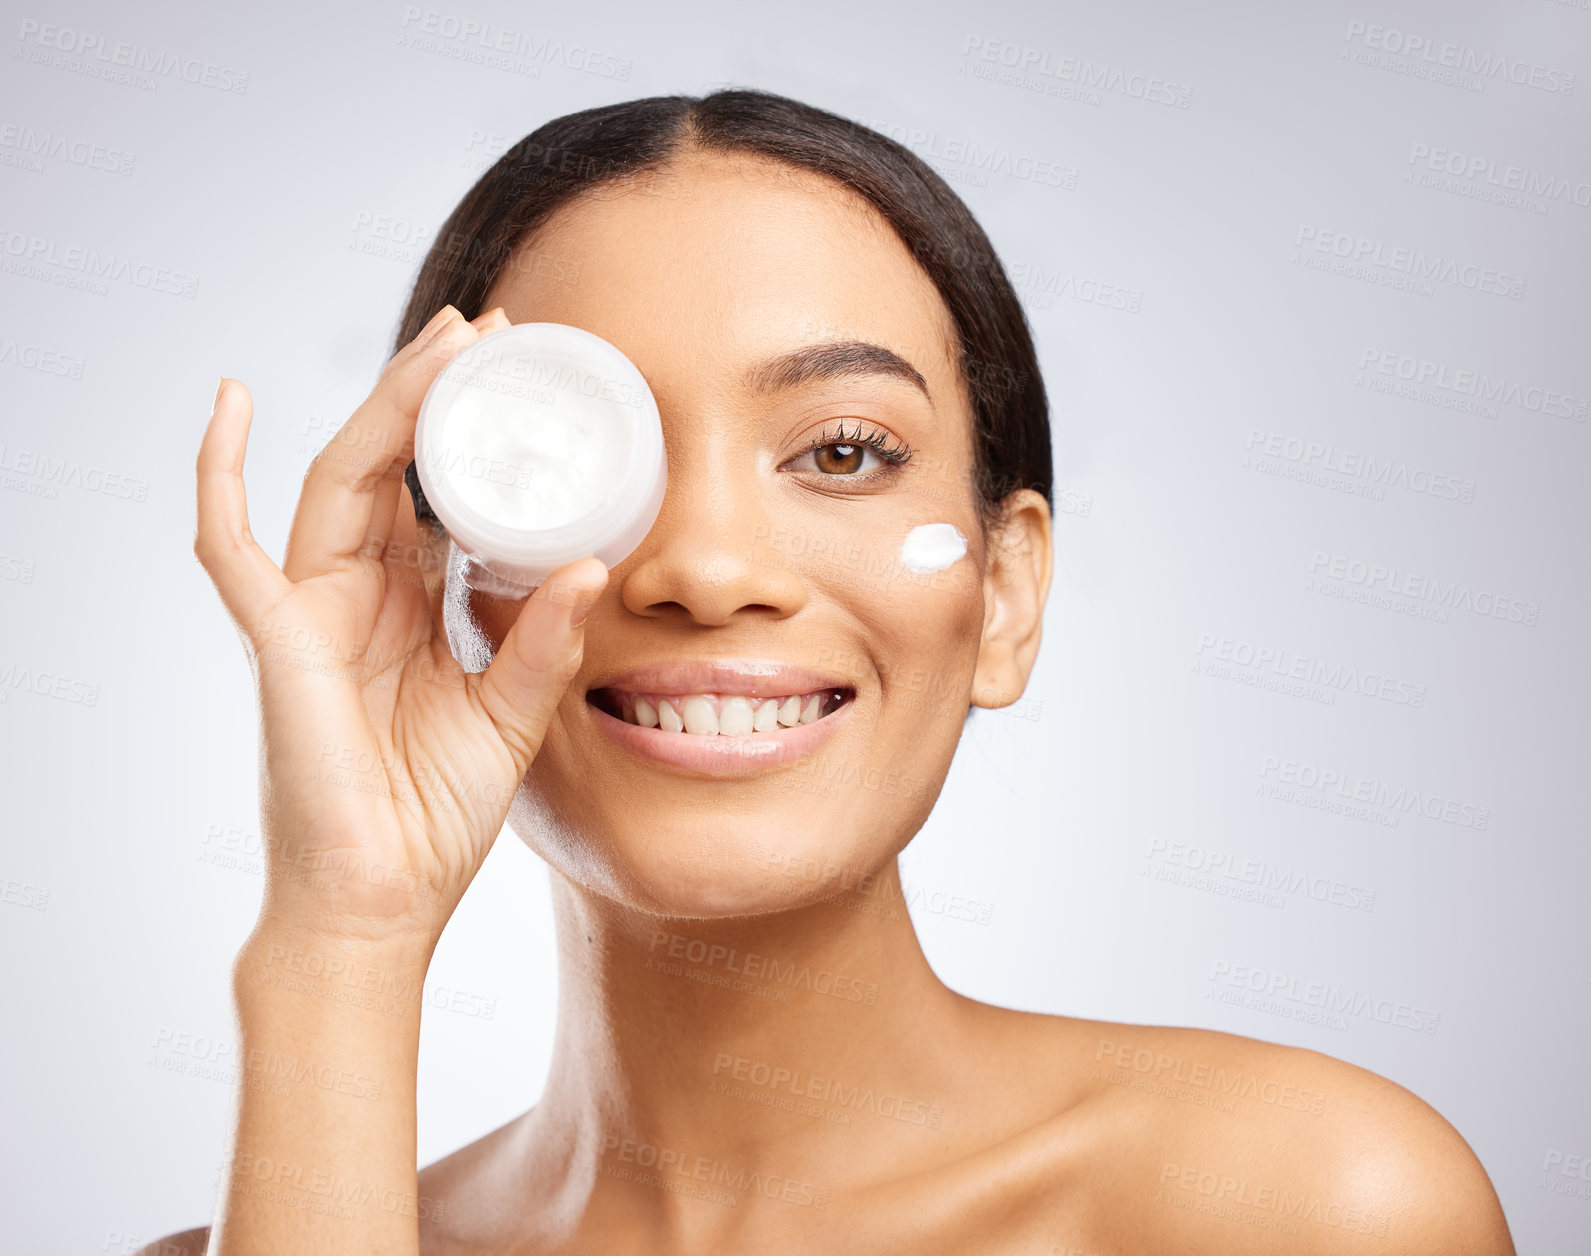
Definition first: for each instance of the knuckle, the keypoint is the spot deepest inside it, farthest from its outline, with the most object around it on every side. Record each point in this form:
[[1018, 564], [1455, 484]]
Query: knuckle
[[213, 549]]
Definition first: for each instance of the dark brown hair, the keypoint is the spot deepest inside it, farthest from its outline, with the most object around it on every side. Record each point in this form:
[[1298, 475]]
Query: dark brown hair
[[583, 151]]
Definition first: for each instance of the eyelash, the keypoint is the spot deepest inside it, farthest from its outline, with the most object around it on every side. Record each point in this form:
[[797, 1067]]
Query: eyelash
[[896, 453]]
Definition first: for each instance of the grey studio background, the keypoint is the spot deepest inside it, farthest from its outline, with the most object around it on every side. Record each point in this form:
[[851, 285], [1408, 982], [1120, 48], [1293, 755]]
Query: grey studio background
[[1303, 753]]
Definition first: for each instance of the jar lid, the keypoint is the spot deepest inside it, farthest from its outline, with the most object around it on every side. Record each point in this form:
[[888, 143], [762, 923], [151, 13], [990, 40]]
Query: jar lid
[[537, 445]]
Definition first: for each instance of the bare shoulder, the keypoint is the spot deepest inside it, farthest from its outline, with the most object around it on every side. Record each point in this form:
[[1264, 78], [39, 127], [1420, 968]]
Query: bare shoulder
[[459, 1205], [188, 1243], [471, 1201], [1226, 1143]]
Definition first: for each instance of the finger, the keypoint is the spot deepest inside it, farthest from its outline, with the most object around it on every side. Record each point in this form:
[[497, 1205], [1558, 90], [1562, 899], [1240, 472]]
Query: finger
[[384, 509], [248, 581], [404, 620], [338, 501], [495, 319], [541, 654], [360, 450], [383, 512], [409, 558], [402, 555], [421, 337]]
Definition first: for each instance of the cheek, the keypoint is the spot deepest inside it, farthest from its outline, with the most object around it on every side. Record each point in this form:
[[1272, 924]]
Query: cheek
[[906, 577], [923, 634]]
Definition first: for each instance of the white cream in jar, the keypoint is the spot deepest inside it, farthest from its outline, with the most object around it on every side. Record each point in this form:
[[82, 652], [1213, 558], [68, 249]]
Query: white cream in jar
[[537, 445]]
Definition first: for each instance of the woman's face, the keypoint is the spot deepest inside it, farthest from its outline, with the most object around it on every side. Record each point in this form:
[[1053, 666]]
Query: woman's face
[[714, 279]]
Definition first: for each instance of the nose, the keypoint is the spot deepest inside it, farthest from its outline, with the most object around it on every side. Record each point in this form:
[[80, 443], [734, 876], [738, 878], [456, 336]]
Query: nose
[[701, 562]]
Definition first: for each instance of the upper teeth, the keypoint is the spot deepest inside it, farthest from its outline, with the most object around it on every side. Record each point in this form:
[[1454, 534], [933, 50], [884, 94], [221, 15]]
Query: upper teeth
[[711, 714]]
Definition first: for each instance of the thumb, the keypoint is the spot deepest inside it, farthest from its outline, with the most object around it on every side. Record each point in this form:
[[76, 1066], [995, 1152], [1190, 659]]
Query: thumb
[[524, 683]]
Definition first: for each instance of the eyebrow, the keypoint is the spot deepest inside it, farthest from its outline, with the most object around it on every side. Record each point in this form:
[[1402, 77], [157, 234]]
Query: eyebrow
[[833, 359]]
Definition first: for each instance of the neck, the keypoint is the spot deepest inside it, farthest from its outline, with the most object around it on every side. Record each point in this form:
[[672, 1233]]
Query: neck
[[783, 1045]]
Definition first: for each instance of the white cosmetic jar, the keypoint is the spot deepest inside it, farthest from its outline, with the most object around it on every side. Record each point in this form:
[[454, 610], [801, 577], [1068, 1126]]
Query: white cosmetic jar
[[537, 445]]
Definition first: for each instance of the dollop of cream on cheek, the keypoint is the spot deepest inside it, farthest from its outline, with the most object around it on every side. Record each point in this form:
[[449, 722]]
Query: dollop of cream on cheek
[[932, 547]]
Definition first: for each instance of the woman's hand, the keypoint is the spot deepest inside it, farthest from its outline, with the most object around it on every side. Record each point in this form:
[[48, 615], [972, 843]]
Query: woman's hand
[[386, 769]]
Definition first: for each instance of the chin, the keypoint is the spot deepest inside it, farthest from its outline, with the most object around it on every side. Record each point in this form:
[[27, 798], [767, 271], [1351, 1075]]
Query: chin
[[722, 863]]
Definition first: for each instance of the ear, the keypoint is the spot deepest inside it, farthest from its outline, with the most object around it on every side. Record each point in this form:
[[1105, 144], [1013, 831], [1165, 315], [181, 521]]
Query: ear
[[1016, 582]]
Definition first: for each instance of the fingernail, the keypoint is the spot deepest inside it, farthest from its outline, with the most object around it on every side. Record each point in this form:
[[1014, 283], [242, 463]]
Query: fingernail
[[438, 321], [219, 389], [582, 611]]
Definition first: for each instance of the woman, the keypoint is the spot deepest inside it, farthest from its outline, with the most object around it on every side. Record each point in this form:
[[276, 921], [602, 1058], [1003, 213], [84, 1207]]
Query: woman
[[752, 1053]]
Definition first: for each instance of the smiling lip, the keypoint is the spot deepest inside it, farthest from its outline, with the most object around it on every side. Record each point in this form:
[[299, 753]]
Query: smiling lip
[[754, 678], [722, 756]]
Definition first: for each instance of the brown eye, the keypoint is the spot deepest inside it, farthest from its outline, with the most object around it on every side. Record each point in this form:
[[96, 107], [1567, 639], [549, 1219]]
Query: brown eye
[[865, 461], [839, 459]]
